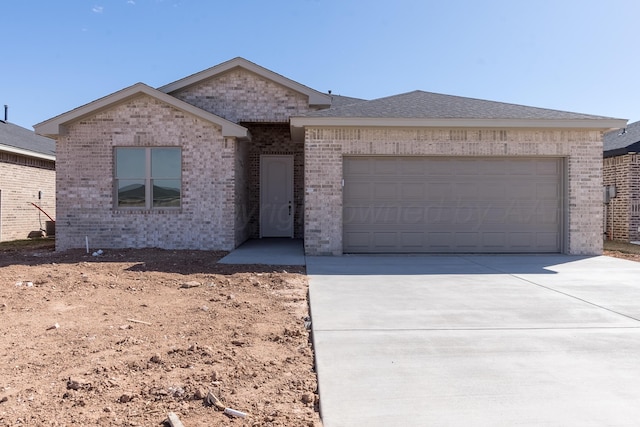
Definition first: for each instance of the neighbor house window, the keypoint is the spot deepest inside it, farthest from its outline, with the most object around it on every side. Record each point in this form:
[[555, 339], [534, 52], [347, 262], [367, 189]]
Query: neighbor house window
[[148, 178]]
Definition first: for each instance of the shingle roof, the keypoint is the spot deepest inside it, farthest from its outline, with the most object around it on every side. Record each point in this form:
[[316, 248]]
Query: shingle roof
[[341, 101], [621, 141], [423, 105], [23, 139]]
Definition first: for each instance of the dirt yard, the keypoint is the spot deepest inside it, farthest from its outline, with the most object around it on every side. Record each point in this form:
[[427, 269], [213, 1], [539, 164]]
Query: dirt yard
[[622, 250], [124, 338]]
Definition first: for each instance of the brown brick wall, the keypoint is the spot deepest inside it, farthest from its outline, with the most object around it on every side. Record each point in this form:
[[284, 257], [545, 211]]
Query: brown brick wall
[[634, 198], [622, 214], [19, 187], [85, 181]]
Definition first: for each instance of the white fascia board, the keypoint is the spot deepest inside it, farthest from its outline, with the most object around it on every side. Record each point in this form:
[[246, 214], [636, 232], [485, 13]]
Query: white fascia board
[[316, 98], [27, 153], [601, 124], [55, 126]]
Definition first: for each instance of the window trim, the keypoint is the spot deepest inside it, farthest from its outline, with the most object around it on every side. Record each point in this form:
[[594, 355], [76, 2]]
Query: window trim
[[148, 180]]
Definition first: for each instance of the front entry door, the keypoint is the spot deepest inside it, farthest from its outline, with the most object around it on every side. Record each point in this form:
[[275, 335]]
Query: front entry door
[[276, 196]]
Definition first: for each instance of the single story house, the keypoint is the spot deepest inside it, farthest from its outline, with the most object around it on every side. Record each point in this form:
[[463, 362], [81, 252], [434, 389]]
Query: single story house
[[621, 172], [238, 151], [27, 175]]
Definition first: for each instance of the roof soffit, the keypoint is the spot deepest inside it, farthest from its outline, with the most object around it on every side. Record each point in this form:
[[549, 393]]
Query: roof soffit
[[603, 124], [26, 153]]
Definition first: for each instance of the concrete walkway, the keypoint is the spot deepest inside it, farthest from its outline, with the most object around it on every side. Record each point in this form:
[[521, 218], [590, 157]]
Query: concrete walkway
[[268, 251], [476, 340]]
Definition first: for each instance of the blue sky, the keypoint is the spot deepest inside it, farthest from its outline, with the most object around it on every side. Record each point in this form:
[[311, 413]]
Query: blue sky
[[568, 55]]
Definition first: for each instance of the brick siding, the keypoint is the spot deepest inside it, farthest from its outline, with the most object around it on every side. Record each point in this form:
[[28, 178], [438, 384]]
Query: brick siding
[[242, 96], [86, 205], [622, 214], [21, 180], [325, 148]]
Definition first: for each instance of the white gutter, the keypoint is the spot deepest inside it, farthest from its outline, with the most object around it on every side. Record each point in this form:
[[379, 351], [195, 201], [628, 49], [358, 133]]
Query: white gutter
[[27, 153], [605, 123]]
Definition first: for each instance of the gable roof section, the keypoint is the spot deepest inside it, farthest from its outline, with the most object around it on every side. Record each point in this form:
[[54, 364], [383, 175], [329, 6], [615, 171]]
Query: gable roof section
[[55, 126], [317, 99], [18, 140], [420, 108], [622, 141]]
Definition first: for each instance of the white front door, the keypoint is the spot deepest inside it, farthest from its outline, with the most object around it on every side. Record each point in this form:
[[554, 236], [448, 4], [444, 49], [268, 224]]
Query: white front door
[[276, 196]]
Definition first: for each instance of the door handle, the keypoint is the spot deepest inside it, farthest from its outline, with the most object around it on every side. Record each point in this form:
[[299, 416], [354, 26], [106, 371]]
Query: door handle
[[289, 207]]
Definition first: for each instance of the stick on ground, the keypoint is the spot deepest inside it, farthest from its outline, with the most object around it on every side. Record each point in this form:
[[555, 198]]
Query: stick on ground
[[174, 421]]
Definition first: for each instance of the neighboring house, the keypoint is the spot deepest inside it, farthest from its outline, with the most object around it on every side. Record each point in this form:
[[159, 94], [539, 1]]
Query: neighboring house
[[621, 173], [27, 175], [237, 151]]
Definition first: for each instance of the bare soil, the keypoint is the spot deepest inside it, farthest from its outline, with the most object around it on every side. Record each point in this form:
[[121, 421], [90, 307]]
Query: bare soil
[[622, 250], [124, 338]]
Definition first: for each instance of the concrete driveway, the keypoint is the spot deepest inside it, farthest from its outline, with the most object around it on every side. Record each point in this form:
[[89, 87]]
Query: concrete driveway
[[476, 340]]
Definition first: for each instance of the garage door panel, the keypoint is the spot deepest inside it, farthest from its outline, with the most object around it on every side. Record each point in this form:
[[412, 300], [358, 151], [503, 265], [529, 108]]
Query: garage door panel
[[551, 169], [547, 240], [438, 190], [358, 166], [412, 241], [435, 169], [386, 166], [385, 240], [439, 240], [412, 191], [466, 240], [464, 190], [547, 190], [412, 215], [494, 240], [358, 191], [439, 204], [360, 241], [385, 191], [413, 166]]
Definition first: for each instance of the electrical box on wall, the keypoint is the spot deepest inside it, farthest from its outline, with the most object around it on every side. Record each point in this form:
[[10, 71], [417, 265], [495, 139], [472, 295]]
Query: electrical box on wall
[[609, 193]]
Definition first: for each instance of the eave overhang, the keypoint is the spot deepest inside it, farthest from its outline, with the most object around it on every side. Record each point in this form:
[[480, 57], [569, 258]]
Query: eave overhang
[[26, 153], [299, 123]]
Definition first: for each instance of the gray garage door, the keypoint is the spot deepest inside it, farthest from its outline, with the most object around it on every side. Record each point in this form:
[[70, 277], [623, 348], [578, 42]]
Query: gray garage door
[[452, 205]]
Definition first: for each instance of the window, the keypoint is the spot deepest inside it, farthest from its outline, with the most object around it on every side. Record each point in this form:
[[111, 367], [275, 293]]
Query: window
[[147, 178]]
